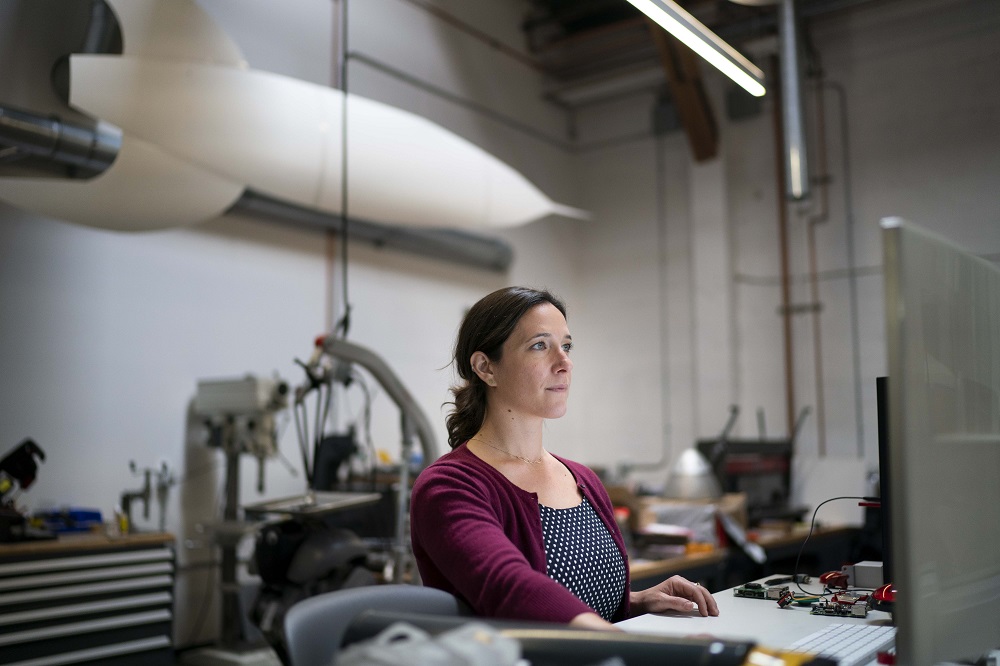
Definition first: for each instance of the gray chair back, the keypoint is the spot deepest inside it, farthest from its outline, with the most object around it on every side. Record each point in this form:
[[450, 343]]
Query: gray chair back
[[315, 627]]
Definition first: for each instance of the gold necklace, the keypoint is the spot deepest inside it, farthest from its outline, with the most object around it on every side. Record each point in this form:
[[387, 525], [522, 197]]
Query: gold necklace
[[530, 462]]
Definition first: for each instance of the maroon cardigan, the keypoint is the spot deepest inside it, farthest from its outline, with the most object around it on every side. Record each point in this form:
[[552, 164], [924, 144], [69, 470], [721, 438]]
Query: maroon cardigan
[[479, 537]]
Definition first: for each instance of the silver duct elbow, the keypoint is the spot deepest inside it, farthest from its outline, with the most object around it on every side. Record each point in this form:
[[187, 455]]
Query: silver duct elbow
[[51, 138]]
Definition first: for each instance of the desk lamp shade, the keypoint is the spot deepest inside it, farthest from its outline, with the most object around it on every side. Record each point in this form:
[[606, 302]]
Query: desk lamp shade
[[691, 478]]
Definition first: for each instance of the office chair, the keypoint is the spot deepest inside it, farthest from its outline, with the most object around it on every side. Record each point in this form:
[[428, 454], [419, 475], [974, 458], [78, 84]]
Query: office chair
[[315, 627]]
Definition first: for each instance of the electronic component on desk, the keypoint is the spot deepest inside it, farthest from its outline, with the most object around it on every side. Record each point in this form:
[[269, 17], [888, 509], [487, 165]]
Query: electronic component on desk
[[884, 598], [833, 609], [851, 598], [758, 591], [834, 579], [863, 574], [786, 598]]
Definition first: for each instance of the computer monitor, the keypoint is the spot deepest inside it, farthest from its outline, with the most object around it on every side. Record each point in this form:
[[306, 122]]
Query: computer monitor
[[884, 474], [943, 333]]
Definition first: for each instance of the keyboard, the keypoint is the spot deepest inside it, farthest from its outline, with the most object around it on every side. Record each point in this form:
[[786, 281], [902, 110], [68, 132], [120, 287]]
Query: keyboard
[[847, 644]]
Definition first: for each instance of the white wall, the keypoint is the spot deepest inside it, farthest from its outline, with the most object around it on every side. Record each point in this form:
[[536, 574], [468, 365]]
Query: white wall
[[672, 289], [920, 140]]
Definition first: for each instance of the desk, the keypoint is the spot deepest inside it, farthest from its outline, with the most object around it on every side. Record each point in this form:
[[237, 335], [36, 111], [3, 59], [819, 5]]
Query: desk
[[740, 618], [87, 597]]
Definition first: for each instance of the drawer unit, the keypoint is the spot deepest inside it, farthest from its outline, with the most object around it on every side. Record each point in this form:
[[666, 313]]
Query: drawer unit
[[95, 602]]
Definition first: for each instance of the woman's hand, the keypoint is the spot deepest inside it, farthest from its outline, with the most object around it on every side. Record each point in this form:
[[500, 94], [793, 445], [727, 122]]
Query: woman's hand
[[592, 621], [676, 593]]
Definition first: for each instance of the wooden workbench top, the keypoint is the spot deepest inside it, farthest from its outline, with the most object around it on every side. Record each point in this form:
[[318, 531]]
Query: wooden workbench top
[[84, 541]]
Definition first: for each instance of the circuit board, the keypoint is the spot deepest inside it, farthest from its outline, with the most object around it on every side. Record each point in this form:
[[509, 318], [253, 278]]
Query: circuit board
[[758, 591], [833, 609]]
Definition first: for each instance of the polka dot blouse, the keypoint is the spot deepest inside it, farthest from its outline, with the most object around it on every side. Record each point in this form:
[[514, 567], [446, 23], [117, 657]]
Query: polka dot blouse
[[581, 555]]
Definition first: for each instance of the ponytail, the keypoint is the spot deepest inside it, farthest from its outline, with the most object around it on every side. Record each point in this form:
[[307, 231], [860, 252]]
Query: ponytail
[[469, 413]]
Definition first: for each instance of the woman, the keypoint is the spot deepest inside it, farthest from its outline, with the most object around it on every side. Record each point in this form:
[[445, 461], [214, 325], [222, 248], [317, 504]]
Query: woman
[[513, 530]]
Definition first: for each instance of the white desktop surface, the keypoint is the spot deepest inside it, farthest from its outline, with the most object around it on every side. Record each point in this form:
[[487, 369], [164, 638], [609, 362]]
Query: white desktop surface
[[758, 620]]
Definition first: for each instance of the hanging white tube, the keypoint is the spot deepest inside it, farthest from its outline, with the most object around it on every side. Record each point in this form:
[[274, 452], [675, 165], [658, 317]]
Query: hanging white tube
[[183, 91], [144, 189]]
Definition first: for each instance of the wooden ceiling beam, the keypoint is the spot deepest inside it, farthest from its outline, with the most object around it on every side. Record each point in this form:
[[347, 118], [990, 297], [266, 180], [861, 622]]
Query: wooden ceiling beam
[[682, 67]]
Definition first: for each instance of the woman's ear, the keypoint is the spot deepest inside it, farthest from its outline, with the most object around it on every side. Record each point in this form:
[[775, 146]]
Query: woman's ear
[[483, 367]]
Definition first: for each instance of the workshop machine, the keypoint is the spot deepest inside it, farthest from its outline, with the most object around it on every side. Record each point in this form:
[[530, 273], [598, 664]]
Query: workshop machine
[[17, 473]]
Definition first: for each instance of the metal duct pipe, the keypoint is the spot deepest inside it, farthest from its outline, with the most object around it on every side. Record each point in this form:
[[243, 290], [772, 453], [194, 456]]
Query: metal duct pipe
[[445, 244], [796, 161], [764, 24], [788, 340], [51, 138]]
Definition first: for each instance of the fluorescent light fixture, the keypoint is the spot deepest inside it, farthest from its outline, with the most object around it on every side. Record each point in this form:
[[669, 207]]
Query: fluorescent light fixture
[[675, 20]]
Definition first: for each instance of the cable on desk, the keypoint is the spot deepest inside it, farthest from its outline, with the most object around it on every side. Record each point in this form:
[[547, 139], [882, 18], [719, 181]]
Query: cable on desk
[[812, 526]]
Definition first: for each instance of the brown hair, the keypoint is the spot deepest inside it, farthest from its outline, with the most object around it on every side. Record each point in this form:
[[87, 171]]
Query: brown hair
[[485, 328]]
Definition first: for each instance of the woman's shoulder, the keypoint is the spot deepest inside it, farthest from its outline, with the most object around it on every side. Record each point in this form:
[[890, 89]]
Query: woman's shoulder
[[458, 478], [457, 464], [459, 456]]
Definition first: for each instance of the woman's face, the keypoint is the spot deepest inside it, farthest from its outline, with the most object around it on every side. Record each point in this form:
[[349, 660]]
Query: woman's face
[[533, 375]]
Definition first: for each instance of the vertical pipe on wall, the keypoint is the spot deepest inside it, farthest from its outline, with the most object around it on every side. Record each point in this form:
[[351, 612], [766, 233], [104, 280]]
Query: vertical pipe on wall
[[339, 53], [819, 218], [817, 342], [337, 81], [344, 325], [852, 281], [661, 229], [330, 245], [794, 155], [786, 297]]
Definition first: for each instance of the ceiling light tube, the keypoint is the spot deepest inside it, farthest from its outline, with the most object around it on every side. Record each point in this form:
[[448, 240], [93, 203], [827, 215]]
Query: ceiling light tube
[[679, 23]]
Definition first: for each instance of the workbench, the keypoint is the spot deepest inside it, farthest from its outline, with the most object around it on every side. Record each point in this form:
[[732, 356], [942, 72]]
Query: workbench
[[88, 598]]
